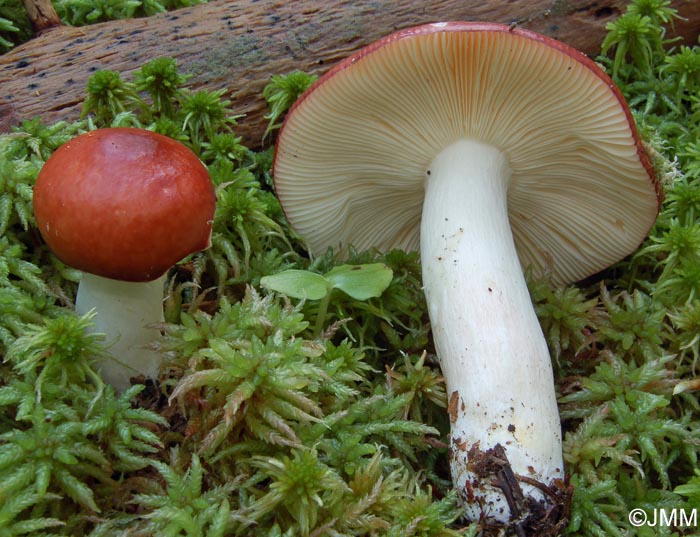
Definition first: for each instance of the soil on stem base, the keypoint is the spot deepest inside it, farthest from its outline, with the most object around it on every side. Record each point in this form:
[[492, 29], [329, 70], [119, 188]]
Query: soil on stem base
[[528, 516]]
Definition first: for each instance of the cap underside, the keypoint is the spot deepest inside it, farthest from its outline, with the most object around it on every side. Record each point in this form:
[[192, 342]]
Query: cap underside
[[352, 156]]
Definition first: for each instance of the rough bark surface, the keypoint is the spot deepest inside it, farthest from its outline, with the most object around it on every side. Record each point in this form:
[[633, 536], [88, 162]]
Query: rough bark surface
[[41, 14], [240, 44]]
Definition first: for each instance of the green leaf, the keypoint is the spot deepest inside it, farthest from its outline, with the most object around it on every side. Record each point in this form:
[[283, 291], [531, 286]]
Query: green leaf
[[361, 281], [43, 478], [77, 490], [298, 284]]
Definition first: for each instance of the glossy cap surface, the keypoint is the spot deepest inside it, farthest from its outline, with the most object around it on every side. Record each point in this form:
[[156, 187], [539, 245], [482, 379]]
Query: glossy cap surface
[[124, 203]]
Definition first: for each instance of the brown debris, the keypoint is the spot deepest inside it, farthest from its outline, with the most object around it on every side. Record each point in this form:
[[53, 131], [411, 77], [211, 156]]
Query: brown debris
[[453, 406], [530, 516]]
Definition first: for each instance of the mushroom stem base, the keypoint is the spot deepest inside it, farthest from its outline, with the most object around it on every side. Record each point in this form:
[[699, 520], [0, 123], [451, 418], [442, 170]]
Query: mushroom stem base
[[123, 312], [491, 348]]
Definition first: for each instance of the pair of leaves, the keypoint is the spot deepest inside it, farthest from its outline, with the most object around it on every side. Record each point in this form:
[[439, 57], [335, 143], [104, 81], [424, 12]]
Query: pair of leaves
[[360, 282]]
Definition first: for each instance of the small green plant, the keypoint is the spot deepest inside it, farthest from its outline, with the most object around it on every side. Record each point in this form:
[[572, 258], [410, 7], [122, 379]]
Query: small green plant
[[281, 92], [14, 24], [17, 173], [636, 36], [185, 506], [61, 351], [421, 383], [300, 486], [205, 112], [163, 83], [82, 12], [568, 317], [109, 95], [360, 282], [691, 490], [254, 376]]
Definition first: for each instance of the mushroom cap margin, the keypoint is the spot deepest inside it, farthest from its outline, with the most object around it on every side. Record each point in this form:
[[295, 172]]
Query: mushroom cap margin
[[353, 151]]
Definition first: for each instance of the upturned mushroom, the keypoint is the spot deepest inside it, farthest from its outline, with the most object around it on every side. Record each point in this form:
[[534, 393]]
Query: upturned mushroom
[[491, 149], [123, 205]]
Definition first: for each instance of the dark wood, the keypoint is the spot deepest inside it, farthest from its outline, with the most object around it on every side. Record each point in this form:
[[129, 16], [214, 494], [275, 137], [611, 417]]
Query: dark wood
[[41, 14], [240, 44]]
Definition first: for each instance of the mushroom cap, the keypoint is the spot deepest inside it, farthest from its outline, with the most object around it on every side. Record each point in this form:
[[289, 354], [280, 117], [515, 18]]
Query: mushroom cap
[[124, 203], [352, 154]]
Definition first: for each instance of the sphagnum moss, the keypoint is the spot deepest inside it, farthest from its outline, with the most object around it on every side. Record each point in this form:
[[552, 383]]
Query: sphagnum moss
[[273, 430]]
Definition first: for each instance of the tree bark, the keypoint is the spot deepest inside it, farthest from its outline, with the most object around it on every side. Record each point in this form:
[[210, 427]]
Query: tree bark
[[239, 44], [41, 14]]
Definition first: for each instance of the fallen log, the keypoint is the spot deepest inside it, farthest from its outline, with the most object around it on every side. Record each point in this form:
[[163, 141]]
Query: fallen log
[[238, 45]]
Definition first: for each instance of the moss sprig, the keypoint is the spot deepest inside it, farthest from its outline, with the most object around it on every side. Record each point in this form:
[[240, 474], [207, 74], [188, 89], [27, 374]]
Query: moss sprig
[[17, 175], [61, 351], [82, 12], [183, 504], [281, 92]]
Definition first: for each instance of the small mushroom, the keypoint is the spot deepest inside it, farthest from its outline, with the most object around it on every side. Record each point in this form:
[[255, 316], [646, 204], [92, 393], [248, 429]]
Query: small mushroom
[[491, 149], [124, 205]]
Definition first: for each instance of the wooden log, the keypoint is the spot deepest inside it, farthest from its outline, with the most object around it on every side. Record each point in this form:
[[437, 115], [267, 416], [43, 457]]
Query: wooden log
[[238, 45]]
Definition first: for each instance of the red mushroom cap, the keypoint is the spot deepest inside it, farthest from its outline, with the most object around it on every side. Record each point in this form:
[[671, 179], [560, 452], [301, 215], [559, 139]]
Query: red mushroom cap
[[124, 203]]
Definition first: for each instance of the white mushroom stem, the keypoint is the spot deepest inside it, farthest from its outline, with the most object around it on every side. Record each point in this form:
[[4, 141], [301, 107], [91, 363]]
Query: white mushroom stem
[[491, 348], [124, 311]]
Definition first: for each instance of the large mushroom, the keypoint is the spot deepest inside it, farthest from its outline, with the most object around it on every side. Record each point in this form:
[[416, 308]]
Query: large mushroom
[[123, 205], [492, 149]]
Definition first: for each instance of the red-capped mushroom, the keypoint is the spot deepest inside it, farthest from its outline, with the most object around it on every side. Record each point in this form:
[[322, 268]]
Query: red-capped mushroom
[[491, 149], [124, 205]]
